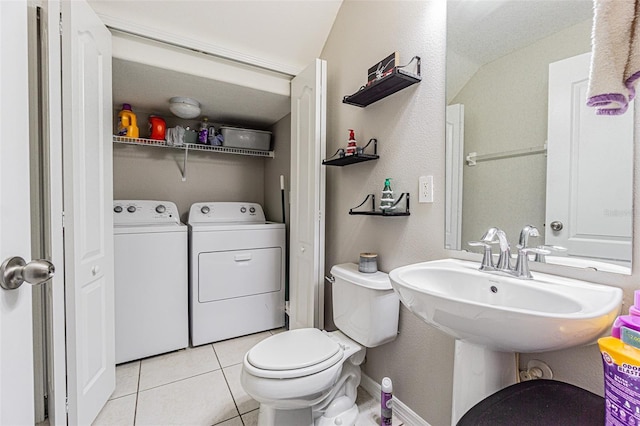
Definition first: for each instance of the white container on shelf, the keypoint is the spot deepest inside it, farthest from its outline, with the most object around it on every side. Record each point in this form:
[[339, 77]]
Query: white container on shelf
[[235, 137]]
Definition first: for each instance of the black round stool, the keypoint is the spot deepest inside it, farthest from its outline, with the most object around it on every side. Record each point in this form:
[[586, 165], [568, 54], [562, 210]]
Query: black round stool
[[537, 403]]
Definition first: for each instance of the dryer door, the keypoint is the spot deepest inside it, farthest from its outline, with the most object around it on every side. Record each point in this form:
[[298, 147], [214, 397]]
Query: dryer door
[[238, 273]]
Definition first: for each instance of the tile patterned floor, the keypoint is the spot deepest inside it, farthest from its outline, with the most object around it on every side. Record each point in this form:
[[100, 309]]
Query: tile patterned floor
[[196, 386]]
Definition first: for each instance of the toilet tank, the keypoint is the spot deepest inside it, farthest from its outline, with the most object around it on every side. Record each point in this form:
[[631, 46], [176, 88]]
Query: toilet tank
[[365, 307]]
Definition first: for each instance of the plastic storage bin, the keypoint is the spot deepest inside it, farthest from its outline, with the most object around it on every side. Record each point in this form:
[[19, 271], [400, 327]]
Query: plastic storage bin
[[244, 138]]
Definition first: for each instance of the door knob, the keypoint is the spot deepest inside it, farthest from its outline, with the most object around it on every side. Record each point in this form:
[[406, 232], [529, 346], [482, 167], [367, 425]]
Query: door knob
[[14, 271], [556, 225]]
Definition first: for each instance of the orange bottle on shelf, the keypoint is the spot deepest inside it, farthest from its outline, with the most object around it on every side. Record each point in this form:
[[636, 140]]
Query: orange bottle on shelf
[[157, 127]]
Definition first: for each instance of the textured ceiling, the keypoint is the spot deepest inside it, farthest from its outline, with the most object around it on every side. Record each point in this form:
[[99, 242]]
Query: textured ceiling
[[481, 31], [485, 30]]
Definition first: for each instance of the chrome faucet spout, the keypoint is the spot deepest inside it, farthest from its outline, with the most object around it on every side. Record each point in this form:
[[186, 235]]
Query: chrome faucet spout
[[489, 235]]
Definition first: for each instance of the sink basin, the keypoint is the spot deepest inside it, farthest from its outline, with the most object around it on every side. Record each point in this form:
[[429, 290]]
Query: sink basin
[[505, 313]]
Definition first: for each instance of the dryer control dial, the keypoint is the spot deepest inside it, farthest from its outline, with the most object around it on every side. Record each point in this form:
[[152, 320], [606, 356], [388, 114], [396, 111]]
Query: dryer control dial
[[160, 208], [252, 210], [117, 209], [205, 209], [243, 209], [131, 209]]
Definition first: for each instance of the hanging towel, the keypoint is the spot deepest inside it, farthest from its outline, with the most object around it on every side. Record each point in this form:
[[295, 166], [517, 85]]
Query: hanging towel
[[632, 74], [615, 58]]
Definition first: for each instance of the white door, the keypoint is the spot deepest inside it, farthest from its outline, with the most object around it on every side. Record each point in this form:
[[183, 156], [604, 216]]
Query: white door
[[88, 197], [589, 200], [308, 147], [454, 163], [16, 338]]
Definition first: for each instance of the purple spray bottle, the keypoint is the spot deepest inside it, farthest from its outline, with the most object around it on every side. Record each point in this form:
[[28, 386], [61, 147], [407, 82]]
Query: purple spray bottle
[[386, 402]]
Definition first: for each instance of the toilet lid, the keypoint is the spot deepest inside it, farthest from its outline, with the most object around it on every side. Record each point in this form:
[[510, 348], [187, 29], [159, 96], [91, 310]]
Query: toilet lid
[[296, 349]]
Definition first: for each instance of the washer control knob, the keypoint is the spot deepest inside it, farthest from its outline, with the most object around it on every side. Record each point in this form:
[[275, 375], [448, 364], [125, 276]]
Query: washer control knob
[[205, 209], [131, 209], [243, 209], [117, 209], [160, 208], [252, 210]]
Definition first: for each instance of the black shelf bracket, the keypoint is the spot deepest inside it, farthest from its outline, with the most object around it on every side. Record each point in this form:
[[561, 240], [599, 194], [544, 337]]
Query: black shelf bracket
[[378, 212]]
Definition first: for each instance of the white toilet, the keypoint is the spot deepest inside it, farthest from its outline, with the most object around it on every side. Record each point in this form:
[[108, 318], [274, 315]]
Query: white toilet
[[309, 377]]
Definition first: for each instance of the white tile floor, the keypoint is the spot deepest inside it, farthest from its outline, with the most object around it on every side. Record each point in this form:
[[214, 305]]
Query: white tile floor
[[196, 386]]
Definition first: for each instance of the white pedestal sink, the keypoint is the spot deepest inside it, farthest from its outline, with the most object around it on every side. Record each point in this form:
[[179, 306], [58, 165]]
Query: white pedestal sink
[[493, 316]]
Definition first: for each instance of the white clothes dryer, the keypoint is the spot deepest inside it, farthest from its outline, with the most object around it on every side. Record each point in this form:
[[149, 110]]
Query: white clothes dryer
[[236, 271], [151, 281]]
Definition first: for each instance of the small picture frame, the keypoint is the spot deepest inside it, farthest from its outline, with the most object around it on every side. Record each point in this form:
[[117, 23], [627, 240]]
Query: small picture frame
[[383, 68]]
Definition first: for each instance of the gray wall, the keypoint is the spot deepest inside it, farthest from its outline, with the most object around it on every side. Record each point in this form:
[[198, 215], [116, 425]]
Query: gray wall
[[409, 126], [152, 173]]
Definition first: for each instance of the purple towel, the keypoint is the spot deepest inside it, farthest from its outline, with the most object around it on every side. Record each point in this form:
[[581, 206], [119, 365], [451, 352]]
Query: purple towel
[[615, 59]]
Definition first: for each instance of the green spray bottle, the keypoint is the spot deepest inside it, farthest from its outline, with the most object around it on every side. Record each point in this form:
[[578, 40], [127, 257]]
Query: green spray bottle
[[387, 200]]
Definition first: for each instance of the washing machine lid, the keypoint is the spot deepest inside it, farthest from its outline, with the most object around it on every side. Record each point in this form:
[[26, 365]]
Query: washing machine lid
[[234, 226], [149, 229], [295, 353]]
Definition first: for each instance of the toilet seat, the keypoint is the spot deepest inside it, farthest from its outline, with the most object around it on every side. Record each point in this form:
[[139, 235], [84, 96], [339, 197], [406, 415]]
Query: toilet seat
[[292, 354]]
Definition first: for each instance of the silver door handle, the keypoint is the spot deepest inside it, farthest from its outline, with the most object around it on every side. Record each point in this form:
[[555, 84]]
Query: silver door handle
[[14, 271], [556, 225]]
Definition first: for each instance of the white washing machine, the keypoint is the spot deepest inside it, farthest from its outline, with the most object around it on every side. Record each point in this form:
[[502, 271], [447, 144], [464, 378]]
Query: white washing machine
[[236, 272], [151, 281]]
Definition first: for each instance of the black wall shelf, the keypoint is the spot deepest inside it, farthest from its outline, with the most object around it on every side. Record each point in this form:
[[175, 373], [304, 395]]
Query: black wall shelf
[[388, 85], [378, 212], [350, 159], [355, 158]]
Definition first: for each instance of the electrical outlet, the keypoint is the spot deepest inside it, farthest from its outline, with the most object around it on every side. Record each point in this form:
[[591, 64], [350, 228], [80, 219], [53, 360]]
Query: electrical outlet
[[425, 189]]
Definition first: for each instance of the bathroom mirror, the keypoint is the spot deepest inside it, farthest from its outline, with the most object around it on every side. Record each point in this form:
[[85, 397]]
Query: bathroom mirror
[[510, 162]]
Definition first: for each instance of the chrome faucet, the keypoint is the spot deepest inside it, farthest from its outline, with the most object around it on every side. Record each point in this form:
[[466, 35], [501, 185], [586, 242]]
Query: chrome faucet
[[504, 260], [496, 235]]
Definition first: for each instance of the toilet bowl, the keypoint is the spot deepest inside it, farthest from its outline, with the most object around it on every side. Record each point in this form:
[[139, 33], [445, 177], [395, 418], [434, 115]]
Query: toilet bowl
[[309, 377]]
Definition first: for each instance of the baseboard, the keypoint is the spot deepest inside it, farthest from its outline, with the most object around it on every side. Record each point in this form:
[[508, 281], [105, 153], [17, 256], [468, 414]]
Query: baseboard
[[400, 410]]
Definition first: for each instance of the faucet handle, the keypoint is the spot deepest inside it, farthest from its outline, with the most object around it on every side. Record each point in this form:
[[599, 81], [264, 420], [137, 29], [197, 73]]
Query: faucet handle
[[536, 250], [540, 256], [487, 258], [522, 263]]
